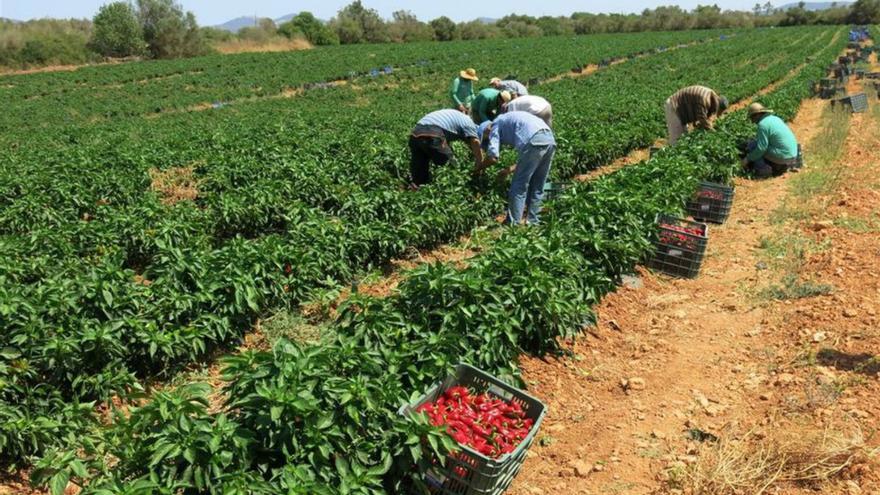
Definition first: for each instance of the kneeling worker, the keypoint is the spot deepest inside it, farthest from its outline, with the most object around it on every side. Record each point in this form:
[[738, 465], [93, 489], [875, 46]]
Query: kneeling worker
[[775, 147], [535, 105], [535, 146], [694, 105], [429, 142]]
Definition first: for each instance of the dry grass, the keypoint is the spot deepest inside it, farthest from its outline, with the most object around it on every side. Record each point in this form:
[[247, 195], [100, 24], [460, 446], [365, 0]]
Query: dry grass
[[250, 46], [754, 463], [175, 184]]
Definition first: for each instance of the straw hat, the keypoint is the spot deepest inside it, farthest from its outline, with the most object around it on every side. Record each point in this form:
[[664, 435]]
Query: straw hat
[[470, 74], [506, 96], [495, 80], [758, 109]]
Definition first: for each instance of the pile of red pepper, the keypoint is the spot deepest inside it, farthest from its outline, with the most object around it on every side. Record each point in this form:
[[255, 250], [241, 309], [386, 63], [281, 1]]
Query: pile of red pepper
[[711, 194], [487, 424], [677, 235]]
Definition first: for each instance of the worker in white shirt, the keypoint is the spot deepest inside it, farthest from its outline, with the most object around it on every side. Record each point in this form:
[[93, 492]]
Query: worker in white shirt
[[535, 105]]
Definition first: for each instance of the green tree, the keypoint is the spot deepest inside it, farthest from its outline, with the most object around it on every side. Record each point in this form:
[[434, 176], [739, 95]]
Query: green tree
[[444, 29], [406, 27], [865, 12], [555, 26], [356, 23], [707, 16], [168, 31], [262, 32], [311, 28], [798, 16], [116, 31]]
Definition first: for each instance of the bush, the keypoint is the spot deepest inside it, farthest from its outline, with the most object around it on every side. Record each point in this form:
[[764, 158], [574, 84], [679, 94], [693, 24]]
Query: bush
[[307, 25], [117, 32]]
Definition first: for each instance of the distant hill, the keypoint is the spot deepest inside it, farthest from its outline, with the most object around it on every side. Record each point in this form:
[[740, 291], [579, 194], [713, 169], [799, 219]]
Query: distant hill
[[235, 24], [6, 19], [815, 6], [239, 22], [285, 18]]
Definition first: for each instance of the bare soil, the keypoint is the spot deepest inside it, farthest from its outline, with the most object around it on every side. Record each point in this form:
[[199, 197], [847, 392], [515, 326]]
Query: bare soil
[[277, 45], [674, 359], [175, 184]]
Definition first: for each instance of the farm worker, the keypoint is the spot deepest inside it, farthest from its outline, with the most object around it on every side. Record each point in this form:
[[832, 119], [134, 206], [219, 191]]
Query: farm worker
[[535, 105], [694, 105], [462, 91], [487, 104], [535, 146], [775, 147], [511, 86], [429, 142]]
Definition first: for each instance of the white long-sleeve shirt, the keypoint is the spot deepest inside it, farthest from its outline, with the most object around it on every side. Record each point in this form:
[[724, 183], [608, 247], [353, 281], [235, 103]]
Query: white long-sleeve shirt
[[531, 104]]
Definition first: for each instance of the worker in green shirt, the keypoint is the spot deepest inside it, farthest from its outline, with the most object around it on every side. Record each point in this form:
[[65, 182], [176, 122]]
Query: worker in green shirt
[[462, 91], [775, 147], [487, 105]]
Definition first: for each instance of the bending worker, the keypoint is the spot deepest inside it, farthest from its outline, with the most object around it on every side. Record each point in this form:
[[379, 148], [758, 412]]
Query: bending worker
[[487, 104], [694, 105], [462, 91], [429, 142], [511, 86], [535, 146], [535, 105], [775, 147]]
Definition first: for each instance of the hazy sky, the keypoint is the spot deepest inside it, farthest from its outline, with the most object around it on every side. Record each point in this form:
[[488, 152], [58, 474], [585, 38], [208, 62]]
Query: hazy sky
[[210, 12]]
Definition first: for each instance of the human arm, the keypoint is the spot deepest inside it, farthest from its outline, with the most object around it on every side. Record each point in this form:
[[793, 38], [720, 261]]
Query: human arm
[[456, 84], [762, 142], [477, 151], [704, 121]]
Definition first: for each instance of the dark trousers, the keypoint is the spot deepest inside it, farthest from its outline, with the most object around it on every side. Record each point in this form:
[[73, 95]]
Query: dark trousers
[[765, 167], [428, 145]]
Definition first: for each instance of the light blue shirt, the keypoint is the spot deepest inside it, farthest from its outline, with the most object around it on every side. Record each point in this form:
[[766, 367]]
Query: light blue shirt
[[514, 87], [455, 124], [516, 129]]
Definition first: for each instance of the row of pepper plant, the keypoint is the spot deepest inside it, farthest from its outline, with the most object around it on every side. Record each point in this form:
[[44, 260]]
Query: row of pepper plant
[[322, 418], [103, 285]]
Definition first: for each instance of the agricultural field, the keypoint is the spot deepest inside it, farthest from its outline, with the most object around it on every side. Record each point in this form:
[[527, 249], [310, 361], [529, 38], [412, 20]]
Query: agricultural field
[[151, 214]]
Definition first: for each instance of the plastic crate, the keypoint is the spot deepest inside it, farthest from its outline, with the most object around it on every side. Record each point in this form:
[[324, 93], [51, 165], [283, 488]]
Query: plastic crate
[[469, 472], [711, 202], [677, 253], [858, 103]]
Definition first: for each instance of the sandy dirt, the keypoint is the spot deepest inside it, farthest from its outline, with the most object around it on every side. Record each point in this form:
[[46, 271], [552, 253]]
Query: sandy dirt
[[673, 357], [244, 46]]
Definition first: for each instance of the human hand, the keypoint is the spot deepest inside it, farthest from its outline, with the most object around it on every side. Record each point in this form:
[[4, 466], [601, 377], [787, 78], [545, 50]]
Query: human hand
[[504, 172]]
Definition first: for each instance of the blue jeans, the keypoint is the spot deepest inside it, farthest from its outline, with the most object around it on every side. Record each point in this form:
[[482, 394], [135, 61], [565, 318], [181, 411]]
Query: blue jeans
[[532, 168]]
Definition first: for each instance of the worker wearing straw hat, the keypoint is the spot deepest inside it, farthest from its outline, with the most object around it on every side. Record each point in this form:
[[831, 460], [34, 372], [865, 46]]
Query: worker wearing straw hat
[[488, 103], [774, 148], [462, 91]]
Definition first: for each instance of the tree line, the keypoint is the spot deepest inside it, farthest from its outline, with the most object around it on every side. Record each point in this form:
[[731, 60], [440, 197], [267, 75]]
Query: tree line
[[356, 23], [162, 29]]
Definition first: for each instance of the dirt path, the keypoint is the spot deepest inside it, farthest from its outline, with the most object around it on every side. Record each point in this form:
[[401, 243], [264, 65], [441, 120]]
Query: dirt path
[[674, 358]]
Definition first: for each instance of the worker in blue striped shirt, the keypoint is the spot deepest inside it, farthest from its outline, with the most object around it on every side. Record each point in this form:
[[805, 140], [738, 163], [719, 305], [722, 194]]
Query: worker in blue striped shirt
[[429, 142], [533, 140]]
